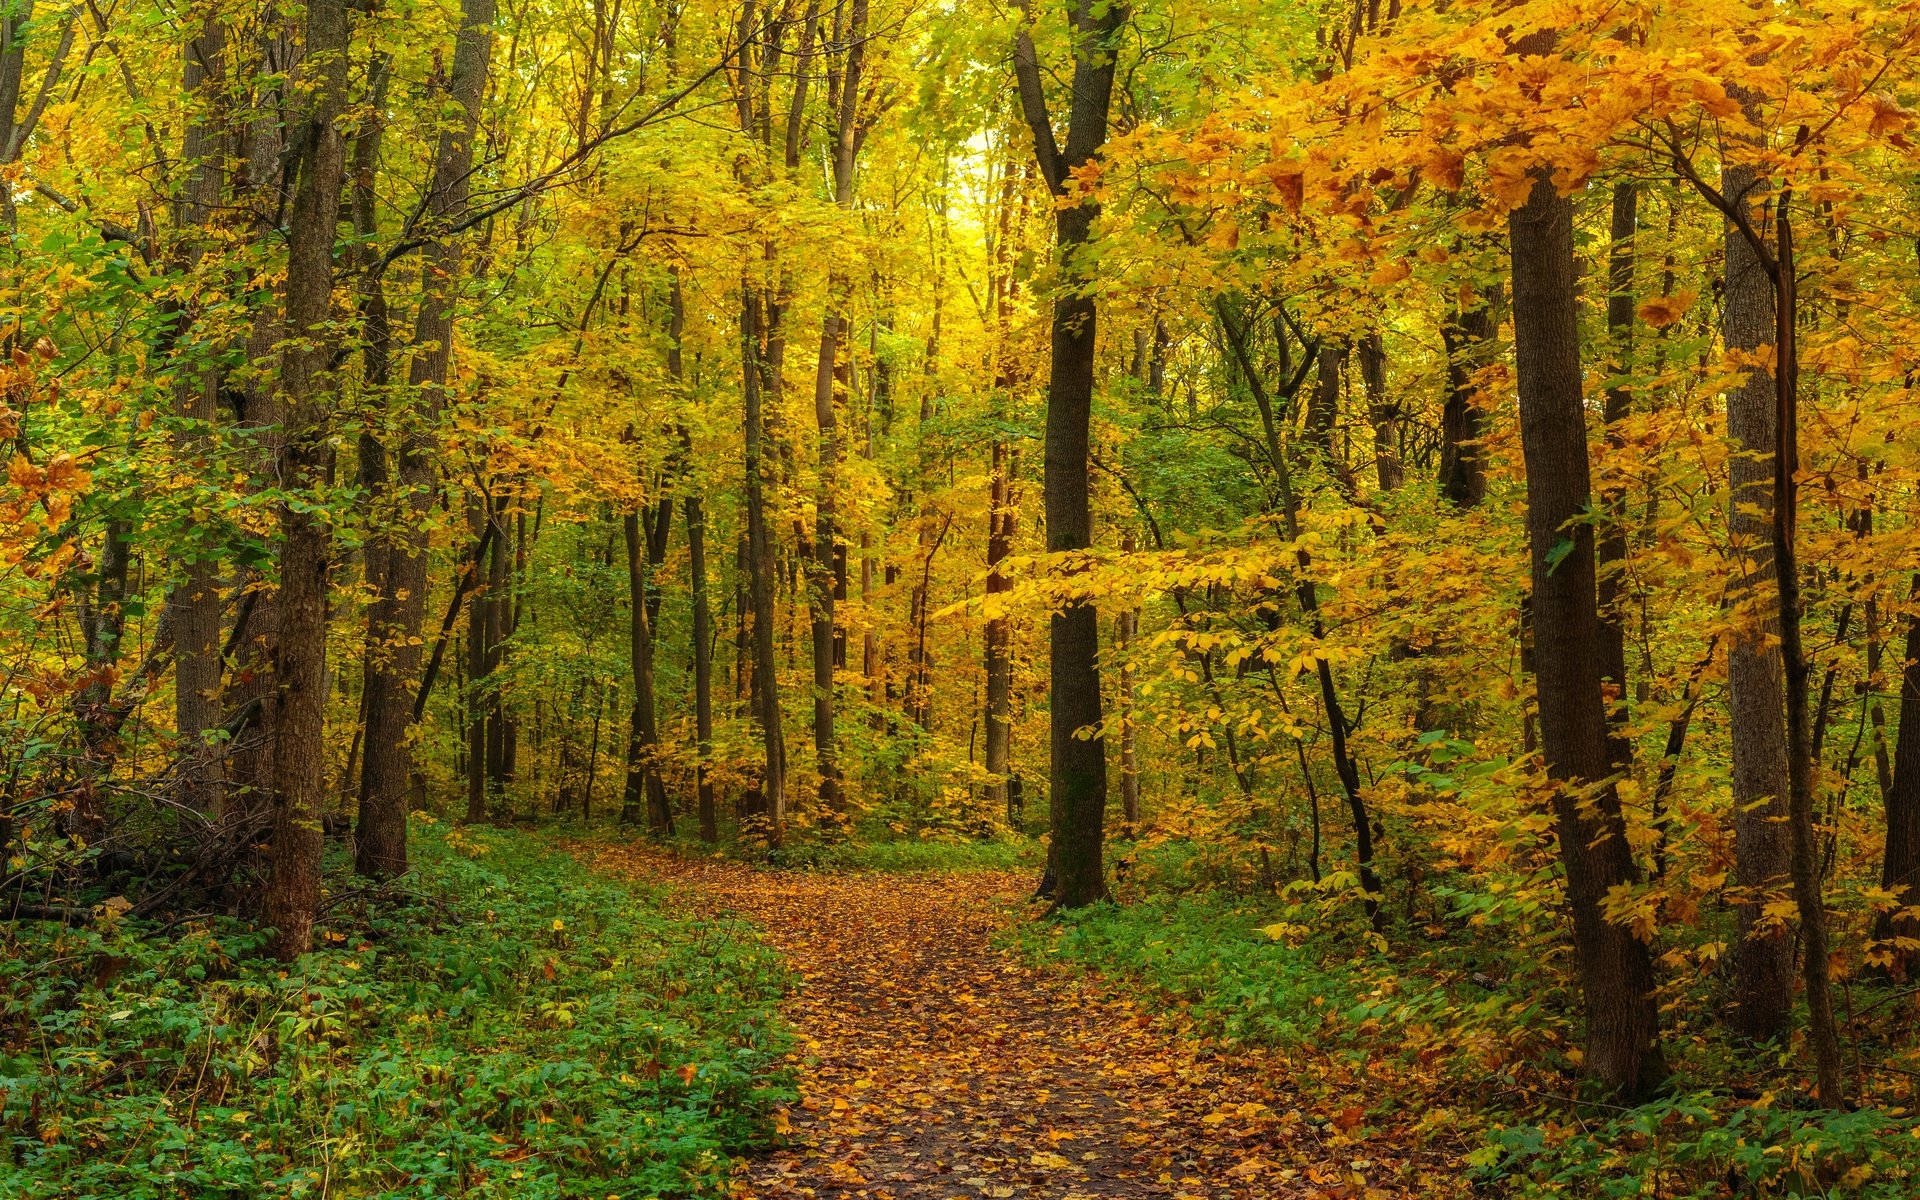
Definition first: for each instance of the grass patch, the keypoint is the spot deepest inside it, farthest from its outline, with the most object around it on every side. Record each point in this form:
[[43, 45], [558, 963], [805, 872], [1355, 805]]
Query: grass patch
[[1207, 959], [911, 856], [508, 1026]]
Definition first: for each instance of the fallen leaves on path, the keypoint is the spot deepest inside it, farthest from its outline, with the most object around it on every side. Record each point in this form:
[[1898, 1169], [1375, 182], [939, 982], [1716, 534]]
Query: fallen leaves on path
[[932, 1064]]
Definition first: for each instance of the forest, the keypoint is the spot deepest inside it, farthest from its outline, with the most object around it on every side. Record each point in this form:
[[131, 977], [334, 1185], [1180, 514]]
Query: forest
[[960, 598]]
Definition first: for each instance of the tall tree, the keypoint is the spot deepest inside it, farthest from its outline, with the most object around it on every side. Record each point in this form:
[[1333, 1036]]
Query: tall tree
[[397, 621], [1078, 755], [195, 601], [1616, 971], [1763, 954], [1002, 512], [701, 632], [292, 889], [1900, 850], [829, 568], [646, 792]]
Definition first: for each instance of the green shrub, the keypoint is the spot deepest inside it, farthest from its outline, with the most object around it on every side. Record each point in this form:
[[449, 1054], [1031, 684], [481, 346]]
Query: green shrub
[[1702, 1146], [507, 1026]]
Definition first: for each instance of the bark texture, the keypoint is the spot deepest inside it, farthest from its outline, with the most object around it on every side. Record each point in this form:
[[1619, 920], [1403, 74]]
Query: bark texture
[[1079, 759], [1762, 958], [1616, 972], [397, 624], [300, 655]]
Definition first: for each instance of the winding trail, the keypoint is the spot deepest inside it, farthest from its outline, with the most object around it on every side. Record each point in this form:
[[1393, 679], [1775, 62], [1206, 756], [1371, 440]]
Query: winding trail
[[932, 1064]]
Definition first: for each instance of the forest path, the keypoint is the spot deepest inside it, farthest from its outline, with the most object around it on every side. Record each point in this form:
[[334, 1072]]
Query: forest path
[[932, 1064]]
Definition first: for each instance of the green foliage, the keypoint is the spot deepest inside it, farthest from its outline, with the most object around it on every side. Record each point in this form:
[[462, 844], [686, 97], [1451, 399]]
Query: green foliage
[[1000, 855], [506, 1026], [1212, 961], [1691, 1147]]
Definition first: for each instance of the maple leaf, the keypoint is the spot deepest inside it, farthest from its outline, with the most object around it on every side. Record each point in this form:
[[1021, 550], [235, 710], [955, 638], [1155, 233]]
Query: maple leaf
[[1390, 273], [1888, 118], [1292, 188], [1662, 311]]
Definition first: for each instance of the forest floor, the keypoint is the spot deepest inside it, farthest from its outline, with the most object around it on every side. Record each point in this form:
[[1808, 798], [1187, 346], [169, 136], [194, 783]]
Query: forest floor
[[933, 1063]]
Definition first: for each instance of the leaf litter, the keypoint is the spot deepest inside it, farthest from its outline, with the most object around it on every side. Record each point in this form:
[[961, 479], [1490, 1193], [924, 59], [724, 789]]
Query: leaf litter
[[932, 1063]]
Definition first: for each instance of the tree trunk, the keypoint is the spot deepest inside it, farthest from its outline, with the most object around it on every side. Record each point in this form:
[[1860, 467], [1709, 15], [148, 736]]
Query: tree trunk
[[702, 635], [480, 523], [300, 662], [495, 622], [1762, 954], [760, 578], [1382, 412], [1802, 858], [1128, 629], [1323, 403], [1900, 863], [998, 636], [829, 568], [1306, 591], [1079, 761], [400, 609], [194, 603], [1468, 335], [646, 793], [1616, 971], [1610, 547]]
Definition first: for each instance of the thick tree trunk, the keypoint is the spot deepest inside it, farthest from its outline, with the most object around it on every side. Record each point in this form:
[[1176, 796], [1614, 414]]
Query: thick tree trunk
[[300, 661], [399, 614], [1616, 971], [1762, 955], [1079, 761], [376, 359]]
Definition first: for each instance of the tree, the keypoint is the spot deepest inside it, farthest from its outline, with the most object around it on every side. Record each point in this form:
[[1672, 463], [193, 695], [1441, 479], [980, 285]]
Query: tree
[[1078, 755], [1616, 972], [1763, 957], [397, 622], [300, 652]]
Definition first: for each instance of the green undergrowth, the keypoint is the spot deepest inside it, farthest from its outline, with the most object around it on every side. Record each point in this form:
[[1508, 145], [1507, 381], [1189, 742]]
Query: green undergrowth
[[863, 850], [906, 856], [504, 1025], [1463, 1042]]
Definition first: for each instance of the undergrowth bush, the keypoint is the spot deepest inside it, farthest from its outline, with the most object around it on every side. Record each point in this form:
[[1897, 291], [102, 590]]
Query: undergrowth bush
[[506, 1025]]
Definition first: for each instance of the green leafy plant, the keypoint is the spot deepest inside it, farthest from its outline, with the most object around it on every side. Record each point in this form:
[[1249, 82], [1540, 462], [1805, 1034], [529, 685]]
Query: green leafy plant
[[500, 1024]]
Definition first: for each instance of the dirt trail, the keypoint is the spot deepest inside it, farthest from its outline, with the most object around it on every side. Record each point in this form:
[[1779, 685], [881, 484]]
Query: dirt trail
[[933, 1065]]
